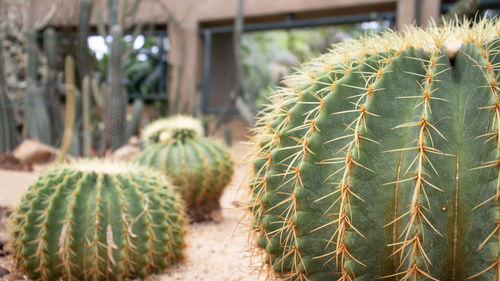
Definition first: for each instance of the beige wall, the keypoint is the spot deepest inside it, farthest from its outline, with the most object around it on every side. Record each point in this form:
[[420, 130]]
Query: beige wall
[[199, 11], [191, 14]]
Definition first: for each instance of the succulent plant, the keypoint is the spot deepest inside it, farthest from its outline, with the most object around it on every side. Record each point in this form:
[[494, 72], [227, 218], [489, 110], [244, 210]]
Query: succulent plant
[[54, 104], [199, 166], [136, 115], [381, 159], [9, 137], [69, 138], [37, 118], [98, 220], [117, 97], [179, 124]]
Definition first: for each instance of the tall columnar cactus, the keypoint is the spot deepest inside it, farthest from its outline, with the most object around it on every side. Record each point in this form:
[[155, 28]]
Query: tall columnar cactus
[[117, 97], [35, 112], [381, 159], [87, 134], [98, 220], [70, 108], [98, 92], [200, 166], [54, 106], [83, 34], [9, 137], [135, 120]]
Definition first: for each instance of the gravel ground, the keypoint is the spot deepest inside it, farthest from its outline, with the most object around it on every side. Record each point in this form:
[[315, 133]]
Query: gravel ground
[[219, 251], [216, 251]]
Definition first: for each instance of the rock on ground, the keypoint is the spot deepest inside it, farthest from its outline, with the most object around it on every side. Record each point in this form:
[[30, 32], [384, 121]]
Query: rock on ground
[[34, 152]]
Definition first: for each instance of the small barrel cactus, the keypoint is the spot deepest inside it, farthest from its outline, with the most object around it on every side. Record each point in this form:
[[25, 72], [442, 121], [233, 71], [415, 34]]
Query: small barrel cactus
[[199, 166], [380, 159], [98, 220]]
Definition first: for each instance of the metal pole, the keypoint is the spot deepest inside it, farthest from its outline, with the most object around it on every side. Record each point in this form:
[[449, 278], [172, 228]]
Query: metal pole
[[163, 66], [417, 12], [206, 68]]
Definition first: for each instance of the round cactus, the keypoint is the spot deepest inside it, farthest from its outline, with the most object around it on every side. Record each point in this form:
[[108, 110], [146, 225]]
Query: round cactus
[[179, 126], [98, 220], [380, 159], [200, 166]]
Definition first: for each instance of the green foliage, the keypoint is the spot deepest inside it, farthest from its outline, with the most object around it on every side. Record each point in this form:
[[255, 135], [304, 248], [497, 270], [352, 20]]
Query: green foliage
[[269, 55], [380, 160], [200, 166], [98, 220], [144, 67]]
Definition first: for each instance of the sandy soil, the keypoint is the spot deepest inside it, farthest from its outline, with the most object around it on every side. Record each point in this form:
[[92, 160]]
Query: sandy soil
[[215, 251]]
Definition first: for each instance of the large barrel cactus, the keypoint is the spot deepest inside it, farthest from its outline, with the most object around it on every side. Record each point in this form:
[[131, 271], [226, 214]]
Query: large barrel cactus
[[98, 220], [199, 166], [380, 159]]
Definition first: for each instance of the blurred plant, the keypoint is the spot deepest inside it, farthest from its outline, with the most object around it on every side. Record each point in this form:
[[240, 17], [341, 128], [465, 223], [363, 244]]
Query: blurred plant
[[70, 87], [271, 55], [50, 48], [115, 101], [24, 65], [461, 9], [9, 137], [36, 117], [144, 67], [14, 28], [199, 166]]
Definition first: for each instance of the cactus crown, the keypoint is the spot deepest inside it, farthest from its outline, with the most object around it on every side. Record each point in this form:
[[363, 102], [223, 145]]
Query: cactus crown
[[107, 167], [380, 160], [180, 127]]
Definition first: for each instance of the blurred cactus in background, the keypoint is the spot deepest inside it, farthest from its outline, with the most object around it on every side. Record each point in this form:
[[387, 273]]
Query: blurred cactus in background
[[86, 100], [83, 34], [199, 166], [70, 111], [135, 120], [37, 121], [52, 94], [117, 98], [9, 137]]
